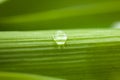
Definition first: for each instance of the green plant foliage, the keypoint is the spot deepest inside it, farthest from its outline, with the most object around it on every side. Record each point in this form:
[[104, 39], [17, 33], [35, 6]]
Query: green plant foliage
[[18, 76], [88, 48], [89, 54], [58, 14]]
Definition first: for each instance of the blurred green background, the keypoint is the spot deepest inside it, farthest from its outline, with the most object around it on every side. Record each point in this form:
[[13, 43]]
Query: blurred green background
[[58, 14]]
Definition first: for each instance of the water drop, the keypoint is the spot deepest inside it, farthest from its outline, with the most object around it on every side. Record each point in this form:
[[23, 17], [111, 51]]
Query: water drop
[[60, 38]]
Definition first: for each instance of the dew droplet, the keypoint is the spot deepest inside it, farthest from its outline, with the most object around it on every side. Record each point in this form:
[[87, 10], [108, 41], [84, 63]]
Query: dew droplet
[[60, 38]]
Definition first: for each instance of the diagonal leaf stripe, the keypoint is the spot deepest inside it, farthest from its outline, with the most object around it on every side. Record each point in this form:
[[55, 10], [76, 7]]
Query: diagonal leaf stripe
[[81, 10]]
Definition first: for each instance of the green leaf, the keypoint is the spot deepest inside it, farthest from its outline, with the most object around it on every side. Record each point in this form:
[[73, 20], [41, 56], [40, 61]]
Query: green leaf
[[19, 76], [89, 54]]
